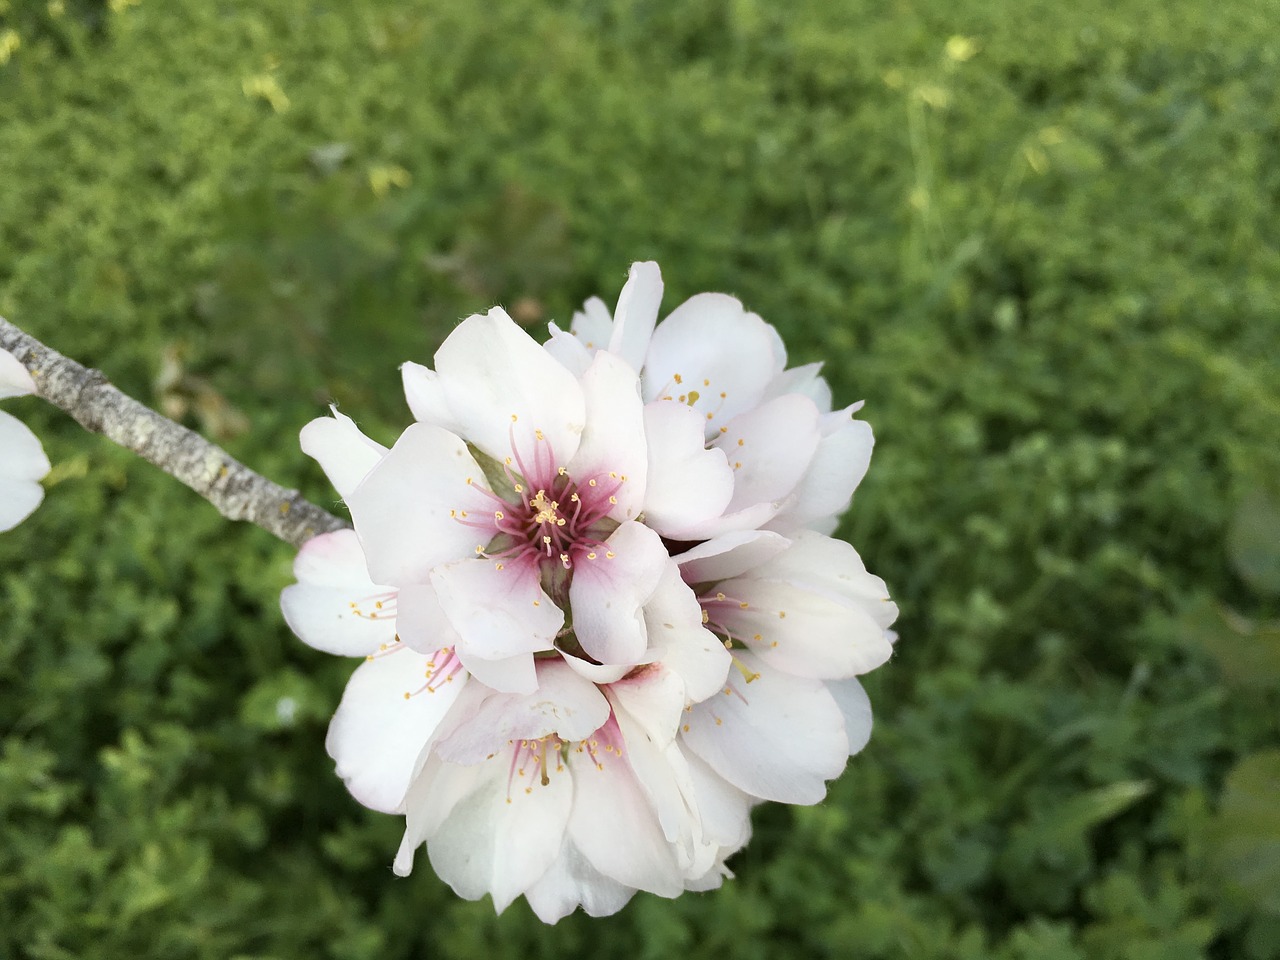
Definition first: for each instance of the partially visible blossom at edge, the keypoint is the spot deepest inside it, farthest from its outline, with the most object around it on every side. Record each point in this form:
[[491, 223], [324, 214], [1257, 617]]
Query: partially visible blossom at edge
[[23, 463], [598, 623]]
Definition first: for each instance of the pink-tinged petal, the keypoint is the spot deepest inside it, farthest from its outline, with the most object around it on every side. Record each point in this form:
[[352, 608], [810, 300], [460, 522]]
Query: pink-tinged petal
[[15, 381], [637, 313], [856, 707], [716, 355], [383, 723], [593, 324], [421, 621], [725, 810], [729, 555], [778, 738], [598, 673], [680, 642], [571, 882], [834, 567], [498, 613], [806, 380], [425, 396], [409, 509], [504, 388], [663, 775], [770, 448], [838, 466], [606, 794], [607, 592], [687, 483], [804, 632], [344, 453], [713, 879], [655, 697], [502, 838], [614, 439], [564, 704], [334, 606], [436, 790], [568, 349]]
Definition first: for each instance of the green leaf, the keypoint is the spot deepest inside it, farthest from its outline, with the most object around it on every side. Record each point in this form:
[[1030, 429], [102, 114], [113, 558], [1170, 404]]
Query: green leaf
[[1254, 542], [1246, 832]]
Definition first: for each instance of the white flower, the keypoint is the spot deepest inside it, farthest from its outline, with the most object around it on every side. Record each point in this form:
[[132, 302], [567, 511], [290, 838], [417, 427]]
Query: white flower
[[803, 618], [595, 628], [577, 794], [795, 461], [515, 502], [23, 463]]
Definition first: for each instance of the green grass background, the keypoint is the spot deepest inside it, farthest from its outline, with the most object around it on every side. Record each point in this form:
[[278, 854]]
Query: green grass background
[[1040, 239]]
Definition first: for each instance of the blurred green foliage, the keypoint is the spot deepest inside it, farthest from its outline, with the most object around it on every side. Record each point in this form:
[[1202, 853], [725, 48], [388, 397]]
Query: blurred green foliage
[[1041, 240]]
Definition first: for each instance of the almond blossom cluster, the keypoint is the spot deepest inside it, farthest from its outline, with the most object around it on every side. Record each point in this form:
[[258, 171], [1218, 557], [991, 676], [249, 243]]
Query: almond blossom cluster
[[599, 613]]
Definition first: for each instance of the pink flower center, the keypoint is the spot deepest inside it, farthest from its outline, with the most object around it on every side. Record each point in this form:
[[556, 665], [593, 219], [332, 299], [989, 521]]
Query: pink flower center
[[549, 520]]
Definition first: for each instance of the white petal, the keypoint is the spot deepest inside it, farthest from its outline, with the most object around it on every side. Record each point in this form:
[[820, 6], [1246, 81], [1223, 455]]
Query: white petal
[[680, 642], [605, 798], [497, 613], [832, 566], [729, 555], [770, 448], [402, 510], [378, 733], [614, 438], [593, 324], [571, 882], [778, 738], [654, 697], [564, 704], [718, 351], [637, 313], [806, 380], [725, 810], [18, 500], [687, 483], [503, 388], [606, 593], [838, 466], [425, 396], [599, 673], [421, 621], [436, 790], [334, 606], [568, 349], [501, 840], [15, 381], [510, 674], [856, 707], [22, 464], [802, 631], [23, 455], [344, 453]]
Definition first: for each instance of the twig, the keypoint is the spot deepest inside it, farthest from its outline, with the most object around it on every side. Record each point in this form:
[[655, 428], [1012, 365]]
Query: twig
[[236, 491]]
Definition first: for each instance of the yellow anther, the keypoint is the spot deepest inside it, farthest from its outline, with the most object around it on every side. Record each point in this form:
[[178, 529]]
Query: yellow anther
[[613, 500], [679, 379], [538, 434], [514, 418], [591, 555], [694, 396], [468, 481], [706, 383], [591, 483], [561, 471], [498, 567], [719, 596], [742, 605], [710, 416], [741, 442], [609, 555], [782, 614], [723, 394], [519, 488], [724, 429], [537, 603], [757, 637], [706, 617]]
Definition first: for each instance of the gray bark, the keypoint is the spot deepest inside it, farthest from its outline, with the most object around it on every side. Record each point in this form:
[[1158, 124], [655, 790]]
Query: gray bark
[[236, 491]]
